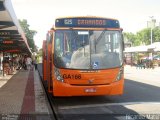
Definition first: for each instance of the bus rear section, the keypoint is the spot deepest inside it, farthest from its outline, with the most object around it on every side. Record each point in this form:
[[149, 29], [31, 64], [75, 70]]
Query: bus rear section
[[44, 62], [49, 60], [87, 57]]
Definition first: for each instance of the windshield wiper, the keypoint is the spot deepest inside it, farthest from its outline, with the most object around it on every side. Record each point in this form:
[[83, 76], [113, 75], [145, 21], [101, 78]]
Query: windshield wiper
[[100, 36]]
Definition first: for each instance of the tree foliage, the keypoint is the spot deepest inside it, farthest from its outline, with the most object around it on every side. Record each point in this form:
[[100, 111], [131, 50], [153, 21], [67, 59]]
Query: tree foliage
[[129, 37], [143, 37], [29, 34], [156, 34]]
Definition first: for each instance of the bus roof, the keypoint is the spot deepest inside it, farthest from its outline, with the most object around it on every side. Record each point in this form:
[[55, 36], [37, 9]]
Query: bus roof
[[87, 22]]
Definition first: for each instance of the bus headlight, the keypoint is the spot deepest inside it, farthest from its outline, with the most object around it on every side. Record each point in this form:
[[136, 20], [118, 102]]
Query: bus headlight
[[120, 74], [58, 75]]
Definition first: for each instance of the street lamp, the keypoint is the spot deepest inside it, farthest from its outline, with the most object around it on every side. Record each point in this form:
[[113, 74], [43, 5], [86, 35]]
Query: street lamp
[[151, 25], [151, 35]]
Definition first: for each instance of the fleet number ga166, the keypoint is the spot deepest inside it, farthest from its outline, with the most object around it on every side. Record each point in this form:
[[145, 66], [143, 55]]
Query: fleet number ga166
[[71, 76]]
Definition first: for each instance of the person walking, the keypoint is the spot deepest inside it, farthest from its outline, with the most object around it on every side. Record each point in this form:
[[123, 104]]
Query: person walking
[[35, 63], [29, 62], [24, 59]]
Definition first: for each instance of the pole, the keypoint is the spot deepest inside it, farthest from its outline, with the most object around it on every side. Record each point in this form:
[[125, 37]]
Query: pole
[[151, 35], [151, 25], [3, 64], [151, 43]]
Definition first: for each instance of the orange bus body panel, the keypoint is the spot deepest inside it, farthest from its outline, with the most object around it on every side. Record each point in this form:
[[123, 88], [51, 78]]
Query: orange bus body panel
[[97, 77], [49, 65], [44, 70], [103, 83], [44, 62], [63, 89]]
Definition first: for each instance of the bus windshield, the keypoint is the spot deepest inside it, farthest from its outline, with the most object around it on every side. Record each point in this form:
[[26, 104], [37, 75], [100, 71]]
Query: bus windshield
[[88, 49]]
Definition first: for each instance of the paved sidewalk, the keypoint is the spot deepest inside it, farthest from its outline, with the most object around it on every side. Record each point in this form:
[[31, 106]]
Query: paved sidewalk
[[4, 79], [146, 76], [22, 97], [135, 68]]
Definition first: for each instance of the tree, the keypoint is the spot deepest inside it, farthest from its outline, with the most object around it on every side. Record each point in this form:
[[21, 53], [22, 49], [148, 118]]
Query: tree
[[29, 34], [130, 37], [156, 34], [143, 37]]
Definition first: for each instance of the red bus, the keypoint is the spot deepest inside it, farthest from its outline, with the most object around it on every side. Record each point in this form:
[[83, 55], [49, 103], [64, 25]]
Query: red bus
[[85, 57]]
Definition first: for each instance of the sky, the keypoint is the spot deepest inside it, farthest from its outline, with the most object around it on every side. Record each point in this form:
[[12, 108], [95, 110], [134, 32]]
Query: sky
[[41, 14]]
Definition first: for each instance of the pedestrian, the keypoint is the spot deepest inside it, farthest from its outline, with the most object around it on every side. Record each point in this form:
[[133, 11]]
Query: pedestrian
[[24, 65], [20, 62], [138, 64], [29, 62], [35, 63]]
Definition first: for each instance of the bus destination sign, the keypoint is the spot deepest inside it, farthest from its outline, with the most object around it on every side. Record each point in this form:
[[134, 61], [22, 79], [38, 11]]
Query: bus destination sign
[[87, 22], [91, 22]]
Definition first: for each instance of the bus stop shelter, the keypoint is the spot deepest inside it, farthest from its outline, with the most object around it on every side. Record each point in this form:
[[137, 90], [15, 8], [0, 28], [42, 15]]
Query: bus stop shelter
[[12, 37], [150, 49]]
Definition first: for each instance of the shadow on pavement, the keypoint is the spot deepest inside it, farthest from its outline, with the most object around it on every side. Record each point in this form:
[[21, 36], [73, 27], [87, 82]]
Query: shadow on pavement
[[101, 113]]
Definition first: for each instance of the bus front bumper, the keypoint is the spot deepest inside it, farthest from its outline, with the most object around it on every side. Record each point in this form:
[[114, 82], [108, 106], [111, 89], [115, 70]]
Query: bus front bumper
[[63, 89]]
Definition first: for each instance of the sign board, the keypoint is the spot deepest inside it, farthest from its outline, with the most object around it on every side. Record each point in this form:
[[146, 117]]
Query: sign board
[[7, 42]]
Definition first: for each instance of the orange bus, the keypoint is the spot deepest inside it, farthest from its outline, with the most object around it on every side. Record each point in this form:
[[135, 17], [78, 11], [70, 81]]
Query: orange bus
[[85, 57]]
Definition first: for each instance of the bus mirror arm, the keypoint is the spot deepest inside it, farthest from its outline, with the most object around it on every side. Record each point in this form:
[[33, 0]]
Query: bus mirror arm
[[123, 46]]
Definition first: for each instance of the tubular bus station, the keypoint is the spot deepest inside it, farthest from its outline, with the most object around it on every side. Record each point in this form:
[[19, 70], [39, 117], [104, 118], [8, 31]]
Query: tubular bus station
[[146, 54], [21, 92]]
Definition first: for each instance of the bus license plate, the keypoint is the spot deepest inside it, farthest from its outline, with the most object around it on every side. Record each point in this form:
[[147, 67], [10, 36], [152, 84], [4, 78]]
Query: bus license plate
[[90, 90]]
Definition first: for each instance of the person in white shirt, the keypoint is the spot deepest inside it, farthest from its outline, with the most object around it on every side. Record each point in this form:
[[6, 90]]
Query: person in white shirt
[[29, 62]]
